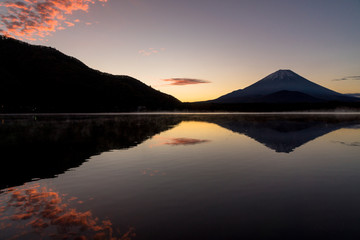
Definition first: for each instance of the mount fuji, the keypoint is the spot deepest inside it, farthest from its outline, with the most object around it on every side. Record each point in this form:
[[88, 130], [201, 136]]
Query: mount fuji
[[284, 86]]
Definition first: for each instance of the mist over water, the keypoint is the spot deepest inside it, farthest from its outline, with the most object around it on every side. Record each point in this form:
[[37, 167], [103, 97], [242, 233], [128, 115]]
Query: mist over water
[[193, 176]]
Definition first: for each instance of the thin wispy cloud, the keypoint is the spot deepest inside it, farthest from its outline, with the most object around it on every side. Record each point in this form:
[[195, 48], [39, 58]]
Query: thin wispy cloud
[[150, 51], [348, 78], [354, 94], [36, 19], [70, 24], [152, 172], [184, 81], [351, 144]]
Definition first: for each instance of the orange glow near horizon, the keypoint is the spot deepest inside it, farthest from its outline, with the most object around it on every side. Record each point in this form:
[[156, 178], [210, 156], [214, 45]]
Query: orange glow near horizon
[[191, 132]]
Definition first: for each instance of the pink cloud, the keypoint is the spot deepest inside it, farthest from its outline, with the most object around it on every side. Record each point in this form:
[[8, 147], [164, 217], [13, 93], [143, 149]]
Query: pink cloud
[[34, 19], [69, 24], [150, 51], [152, 172], [184, 81]]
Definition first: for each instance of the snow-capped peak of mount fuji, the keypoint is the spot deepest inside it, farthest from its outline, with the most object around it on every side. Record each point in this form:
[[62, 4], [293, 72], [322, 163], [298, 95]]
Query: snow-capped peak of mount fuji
[[287, 86]]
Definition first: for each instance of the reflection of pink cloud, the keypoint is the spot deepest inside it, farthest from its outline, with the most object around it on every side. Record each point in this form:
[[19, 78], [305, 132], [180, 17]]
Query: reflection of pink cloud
[[46, 212], [185, 141], [179, 141], [72, 199], [2, 209], [31, 19], [184, 81]]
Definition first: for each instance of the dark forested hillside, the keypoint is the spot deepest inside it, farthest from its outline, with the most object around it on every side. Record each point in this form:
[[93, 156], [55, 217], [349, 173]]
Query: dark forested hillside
[[42, 79]]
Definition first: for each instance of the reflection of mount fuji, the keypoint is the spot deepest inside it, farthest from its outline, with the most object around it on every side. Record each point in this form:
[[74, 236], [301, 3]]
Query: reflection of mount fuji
[[285, 133], [45, 146]]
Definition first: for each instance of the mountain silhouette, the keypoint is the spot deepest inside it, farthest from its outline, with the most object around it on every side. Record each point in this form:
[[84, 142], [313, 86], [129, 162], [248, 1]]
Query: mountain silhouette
[[42, 79], [284, 86]]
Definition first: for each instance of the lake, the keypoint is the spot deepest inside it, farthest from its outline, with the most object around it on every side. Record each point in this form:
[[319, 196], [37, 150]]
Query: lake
[[180, 176]]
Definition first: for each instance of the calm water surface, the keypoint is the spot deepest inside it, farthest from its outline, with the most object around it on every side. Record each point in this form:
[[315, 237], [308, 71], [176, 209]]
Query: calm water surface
[[231, 176]]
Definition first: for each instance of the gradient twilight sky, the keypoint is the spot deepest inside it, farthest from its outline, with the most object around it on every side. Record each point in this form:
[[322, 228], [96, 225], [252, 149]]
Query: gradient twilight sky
[[198, 49]]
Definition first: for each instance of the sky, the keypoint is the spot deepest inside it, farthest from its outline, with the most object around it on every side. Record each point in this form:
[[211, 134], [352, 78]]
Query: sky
[[198, 49]]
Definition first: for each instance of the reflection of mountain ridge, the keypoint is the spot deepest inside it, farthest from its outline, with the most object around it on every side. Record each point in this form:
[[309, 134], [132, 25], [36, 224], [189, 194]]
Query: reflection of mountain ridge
[[285, 133], [49, 146]]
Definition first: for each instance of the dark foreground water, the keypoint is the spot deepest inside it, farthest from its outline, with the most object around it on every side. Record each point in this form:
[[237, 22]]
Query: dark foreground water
[[230, 176]]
